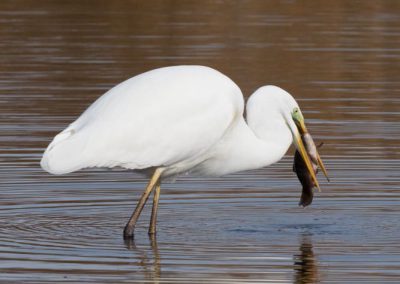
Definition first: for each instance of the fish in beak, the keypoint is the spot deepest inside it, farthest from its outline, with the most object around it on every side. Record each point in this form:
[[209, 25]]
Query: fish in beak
[[299, 167], [307, 151]]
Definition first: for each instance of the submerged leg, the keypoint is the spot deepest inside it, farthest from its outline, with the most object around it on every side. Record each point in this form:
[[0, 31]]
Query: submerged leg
[[130, 226], [153, 220]]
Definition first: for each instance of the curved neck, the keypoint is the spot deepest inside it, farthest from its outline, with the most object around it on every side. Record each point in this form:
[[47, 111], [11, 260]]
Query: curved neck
[[249, 147], [261, 141], [265, 145], [272, 136]]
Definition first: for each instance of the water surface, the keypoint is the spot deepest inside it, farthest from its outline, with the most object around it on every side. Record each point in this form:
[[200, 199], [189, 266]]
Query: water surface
[[340, 59]]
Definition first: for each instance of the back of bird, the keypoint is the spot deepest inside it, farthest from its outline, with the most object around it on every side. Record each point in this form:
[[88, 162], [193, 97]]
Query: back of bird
[[157, 118]]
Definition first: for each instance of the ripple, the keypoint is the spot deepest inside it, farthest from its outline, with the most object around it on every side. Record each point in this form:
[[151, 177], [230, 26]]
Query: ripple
[[243, 228]]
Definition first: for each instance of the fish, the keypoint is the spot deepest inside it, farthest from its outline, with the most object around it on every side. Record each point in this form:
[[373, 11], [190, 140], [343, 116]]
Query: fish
[[300, 168]]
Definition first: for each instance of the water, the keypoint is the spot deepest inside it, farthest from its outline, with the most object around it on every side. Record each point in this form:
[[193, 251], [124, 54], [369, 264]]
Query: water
[[340, 59]]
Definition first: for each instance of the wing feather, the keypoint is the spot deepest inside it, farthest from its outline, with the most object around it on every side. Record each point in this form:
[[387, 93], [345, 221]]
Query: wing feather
[[160, 118]]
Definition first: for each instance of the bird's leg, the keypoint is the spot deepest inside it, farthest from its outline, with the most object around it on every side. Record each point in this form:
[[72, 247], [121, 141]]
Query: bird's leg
[[153, 220], [130, 226]]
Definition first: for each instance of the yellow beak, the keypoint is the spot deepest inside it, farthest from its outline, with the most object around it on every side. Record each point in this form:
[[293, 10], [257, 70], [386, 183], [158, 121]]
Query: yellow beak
[[322, 166], [299, 129], [302, 129]]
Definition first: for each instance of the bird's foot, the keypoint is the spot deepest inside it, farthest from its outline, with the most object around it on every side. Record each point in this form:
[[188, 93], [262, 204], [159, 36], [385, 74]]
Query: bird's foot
[[128, 232]]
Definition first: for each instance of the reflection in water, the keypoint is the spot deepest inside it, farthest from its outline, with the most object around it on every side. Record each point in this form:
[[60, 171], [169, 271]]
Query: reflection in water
[[150, 263], [305, 264]]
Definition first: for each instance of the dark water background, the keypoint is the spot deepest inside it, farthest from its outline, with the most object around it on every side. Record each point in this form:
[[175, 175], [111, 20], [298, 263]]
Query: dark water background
[[340, 59]]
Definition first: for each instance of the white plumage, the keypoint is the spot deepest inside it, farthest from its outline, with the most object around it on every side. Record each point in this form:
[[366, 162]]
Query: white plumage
[[179, 118]]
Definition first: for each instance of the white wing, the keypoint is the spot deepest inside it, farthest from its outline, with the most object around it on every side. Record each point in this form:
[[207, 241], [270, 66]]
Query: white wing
[[160, 118]]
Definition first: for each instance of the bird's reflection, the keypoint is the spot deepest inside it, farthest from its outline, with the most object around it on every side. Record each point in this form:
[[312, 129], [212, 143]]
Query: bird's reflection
[[305, 264], [150, 262]]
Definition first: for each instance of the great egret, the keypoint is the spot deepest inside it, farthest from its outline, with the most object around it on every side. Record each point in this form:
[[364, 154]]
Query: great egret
[[178, 119]]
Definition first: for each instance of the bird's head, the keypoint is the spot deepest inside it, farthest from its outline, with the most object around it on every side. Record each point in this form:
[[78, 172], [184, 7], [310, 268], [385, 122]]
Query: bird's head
[[272, 110]]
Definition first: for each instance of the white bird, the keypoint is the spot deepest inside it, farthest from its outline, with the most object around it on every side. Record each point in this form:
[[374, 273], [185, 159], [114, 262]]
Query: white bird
[[175, 120]]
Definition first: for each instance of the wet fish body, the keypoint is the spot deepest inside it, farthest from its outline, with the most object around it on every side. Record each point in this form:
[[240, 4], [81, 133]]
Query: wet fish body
[[300, 168]]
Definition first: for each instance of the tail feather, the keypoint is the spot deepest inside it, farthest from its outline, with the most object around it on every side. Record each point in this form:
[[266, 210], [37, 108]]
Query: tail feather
[[64, 153]]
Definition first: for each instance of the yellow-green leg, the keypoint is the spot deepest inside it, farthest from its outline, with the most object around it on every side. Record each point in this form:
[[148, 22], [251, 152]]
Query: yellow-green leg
[[153, 220], [130, 226]]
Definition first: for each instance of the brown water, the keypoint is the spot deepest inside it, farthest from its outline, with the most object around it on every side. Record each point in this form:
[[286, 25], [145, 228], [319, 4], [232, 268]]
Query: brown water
[[340, 59]]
